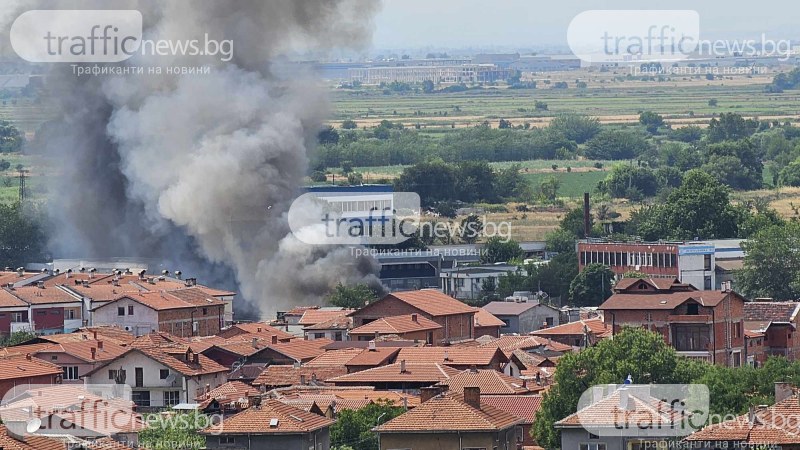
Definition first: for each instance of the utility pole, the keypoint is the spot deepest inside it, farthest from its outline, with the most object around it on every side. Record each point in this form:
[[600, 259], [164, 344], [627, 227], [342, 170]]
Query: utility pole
[[21, 185]]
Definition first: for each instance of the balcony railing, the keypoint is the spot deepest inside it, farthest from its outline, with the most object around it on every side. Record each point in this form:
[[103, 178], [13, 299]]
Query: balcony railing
[[685, 318]]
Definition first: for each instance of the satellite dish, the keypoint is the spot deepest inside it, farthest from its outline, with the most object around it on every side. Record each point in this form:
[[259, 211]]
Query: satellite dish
[[170, 378], [33, 425]]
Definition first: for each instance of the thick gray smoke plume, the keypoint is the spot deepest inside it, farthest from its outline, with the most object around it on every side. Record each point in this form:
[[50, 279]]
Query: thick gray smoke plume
[[175, 166]]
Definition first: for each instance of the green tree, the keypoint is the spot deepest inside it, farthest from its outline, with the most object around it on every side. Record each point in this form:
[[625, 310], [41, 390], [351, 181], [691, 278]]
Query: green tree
[[16, 338], [179, 433], [789, 175], [730, 126], [575, 127], [11, 139], [616, 144], [643, 355], [498, 249], [22, 238], [328, 135], [560, 241], [651, 121], [573, 223], [736, 164], [624, 177], [349, 125], [353, 427], [351, 296], [434, 181], [471, 229], [4, 165], [427, 86], [772, 263], [592, 286], [548, 189]]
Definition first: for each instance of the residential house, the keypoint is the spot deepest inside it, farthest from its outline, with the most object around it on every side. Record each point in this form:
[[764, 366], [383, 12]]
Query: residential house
[[402, 376], [77, 358], [255, 328], [161, 376], [232, 396], [356, 359], [612, 422], [412, 327], [523, 317], [755, 353], [277, 376], [468, 282], [40, 309], [778, 322], [451, 421], [246, 373], [181, 315], [246, 349], [334, 329], [460, 358], [762, 427], [14, 314], [22, 372], [272, 424], [532, 366], [487, 324], [534, 344], [583, 333], [490, 382], [524, 407], [318, 315], [705, 325], [455, 317]]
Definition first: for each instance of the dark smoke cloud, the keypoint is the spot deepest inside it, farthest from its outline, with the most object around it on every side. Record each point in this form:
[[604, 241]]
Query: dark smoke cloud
[[199, 169]]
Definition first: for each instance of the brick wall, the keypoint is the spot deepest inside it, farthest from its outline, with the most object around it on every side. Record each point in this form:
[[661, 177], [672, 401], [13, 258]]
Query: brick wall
[[179, 321]]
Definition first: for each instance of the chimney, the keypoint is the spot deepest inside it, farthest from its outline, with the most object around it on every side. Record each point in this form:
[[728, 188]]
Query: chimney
[[255, 342], [597, 394], [196, 358], [40, 284], [783, 391], [314, 377], [208, 388], [274, 338], [94, 353], [377, 335], [427, 393], [94, 334], [302, 380], [258, 330], [414, 317], [751, 415], [371, 346], [115, 282], [446, 355], [28, 356], [473, 369], [587, 229], [402, 366], [99, 345], [472, 397], [625, 402]]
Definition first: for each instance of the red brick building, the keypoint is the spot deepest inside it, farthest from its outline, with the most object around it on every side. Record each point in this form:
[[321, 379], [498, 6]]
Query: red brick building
[[21, 372], [777, 322], [706, 325], [754, 348], [455, 318]]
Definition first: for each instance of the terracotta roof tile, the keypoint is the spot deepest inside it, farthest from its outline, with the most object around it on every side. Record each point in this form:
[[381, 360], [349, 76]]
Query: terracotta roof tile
[[9, 300], [609, 412], [175, 359], [510, 343], [83, 350], [397, 325], [371, 358], [19, 366], [594, 326], [771, 311], [232, 391], [162, 301], [448, 413], [258, 420], [415, 372], [661, 300], [37, 296], [432, 302], [7, 277], [278, 375], [509, 308], [336, 323], [33, 442], [774, 425], [484, 318], [315, 316], [301, 350], [458, 356], [335, 357], [254, 328], [523, 406], [490, 382]]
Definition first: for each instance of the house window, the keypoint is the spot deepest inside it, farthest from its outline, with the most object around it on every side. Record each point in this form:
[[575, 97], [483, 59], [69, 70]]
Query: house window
[[112, 374], [737, 359], [121, 311], [130, 310], [53, 358], [69, 314], [70, 372], [172, 398], [205, 311], [163, 374], [139, 374], [319, 335], [692, 309], [17, 317], [706, 262], [707, 283], [141, 398], [598, 446], [227, 440]]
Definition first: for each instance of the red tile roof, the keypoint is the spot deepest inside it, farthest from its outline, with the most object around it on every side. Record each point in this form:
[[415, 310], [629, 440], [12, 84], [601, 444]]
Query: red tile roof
[[277, 375], [408, 323], [301, 350], [335, 357], [83, 350], [260, 328], [232, 391], [657, 283], [448, 413], [259, 420], [315, 316], [523, 406], [336, 323], [490, 382], [608, 412], [510, 343], [784, 312], [431, 302], [163, 301], [458, 356], [662, 301], [415, 372], [8, 300], [484, 318], [593, 326], [176, 359], [23, 366], [371, 358], [509, 308], [38, 296]]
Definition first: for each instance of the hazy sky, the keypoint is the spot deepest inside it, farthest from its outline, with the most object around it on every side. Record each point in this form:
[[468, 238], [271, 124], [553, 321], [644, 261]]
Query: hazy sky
[[406, 24]]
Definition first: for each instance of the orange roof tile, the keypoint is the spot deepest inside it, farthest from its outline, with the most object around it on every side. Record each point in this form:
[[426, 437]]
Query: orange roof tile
[[83, 350], [662, 300], [21, 366], [231, 391], [523, 406], [774, 425], [432, 302], [377, 357], [484, 318], [608, 412], [510, 343], [301, 350], [175, 360], [7, 277], [447, 413], [315, 316], [337, 323], [397, 325], [335, 357], [594, 326], [490, 382], [32, 442], [254, 328], [458, 356], [38, 296], [259, 420], [162, 301], [415, 372], [9, 300], [284, 375]]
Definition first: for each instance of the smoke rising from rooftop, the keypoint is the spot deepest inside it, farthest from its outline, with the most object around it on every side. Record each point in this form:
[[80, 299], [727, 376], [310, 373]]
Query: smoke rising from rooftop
[[179, 166]]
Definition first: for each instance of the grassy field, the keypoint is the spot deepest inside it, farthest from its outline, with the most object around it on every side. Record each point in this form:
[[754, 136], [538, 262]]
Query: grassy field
[[573, 184]]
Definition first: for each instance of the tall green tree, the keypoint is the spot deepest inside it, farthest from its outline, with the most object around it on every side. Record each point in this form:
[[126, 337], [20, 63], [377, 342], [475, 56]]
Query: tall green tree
[[772, 263], [353, 427], [592, 286], [498, 249], [575, 127], [22, 238], [355, 296], [471, 229]]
